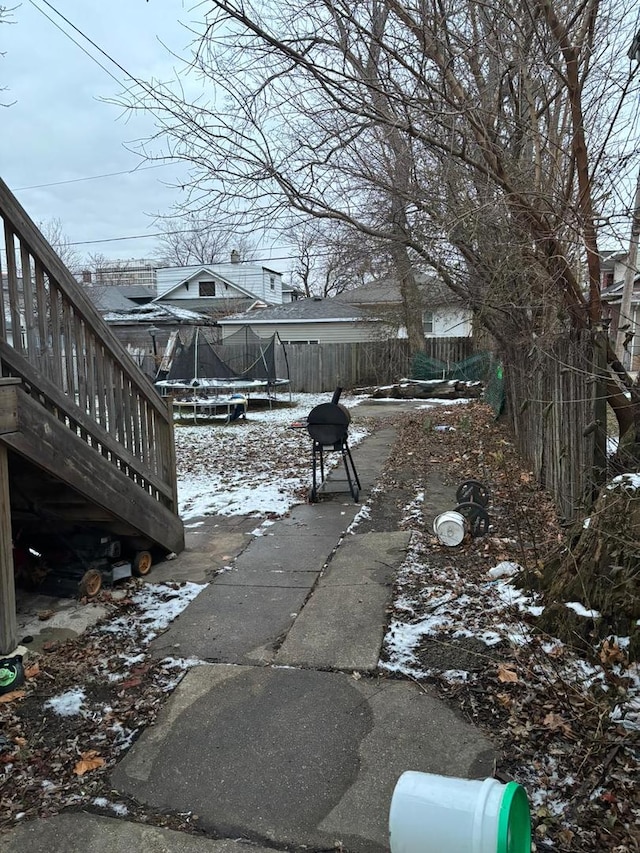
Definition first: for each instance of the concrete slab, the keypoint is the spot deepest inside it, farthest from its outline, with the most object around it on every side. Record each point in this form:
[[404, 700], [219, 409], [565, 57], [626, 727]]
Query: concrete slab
[[211, 543], [232, 624], [290, 550], [295, 757], [66, 618], [342, 624], [90, 833], [244, 613]]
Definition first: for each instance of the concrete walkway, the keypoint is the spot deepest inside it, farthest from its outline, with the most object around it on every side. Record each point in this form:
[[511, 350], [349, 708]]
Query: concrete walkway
[[285, 736]]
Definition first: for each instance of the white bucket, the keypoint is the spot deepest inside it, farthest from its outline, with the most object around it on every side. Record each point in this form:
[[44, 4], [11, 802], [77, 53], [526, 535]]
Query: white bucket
[[441, 814], [450, 527]]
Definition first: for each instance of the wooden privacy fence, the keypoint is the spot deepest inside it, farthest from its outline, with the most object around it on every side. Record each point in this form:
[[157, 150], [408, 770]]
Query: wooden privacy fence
[[70, 364], [316, 368], [556, 401]]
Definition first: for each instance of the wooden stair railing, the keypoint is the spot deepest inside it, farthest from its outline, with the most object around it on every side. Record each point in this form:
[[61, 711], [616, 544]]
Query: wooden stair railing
[[54, 340]]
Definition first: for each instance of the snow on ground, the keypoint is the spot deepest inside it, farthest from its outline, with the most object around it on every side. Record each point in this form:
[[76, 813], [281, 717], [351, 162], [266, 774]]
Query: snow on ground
[[258, 466]]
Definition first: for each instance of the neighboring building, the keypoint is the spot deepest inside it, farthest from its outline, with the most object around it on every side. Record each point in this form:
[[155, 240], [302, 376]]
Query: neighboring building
[[219, 289], [307, 321], [367, 313], [124, 272], [613, 268], [444, 316]]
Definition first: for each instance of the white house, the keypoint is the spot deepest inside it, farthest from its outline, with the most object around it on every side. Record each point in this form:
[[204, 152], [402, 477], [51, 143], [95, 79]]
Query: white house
[[219, 288]]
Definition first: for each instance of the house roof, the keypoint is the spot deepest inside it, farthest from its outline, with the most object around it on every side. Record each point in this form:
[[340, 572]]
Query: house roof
[[617, 287], [138, 291], [302, 310], [152, 313], [109, 297], [387, 290]]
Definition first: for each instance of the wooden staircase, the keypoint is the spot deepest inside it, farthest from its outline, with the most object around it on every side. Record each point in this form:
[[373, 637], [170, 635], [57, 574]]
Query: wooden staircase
[[84, 437]]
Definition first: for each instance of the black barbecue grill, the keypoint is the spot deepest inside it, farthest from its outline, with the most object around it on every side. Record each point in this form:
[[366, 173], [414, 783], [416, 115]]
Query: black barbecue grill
[[328, 426]]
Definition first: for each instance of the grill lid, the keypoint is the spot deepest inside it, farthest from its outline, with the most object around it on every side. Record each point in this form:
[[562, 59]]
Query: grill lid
[[328, 423]]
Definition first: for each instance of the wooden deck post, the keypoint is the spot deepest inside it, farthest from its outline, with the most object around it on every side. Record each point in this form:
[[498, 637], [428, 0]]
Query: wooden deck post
[[8, 423], [8, 628]]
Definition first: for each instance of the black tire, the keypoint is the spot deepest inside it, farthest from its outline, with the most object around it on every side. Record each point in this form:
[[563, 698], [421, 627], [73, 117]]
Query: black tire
[[477, 518], [472, 491]]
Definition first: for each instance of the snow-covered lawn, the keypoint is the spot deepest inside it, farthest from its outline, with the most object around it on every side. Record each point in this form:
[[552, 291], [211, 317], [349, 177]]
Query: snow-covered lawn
[[258, 466]]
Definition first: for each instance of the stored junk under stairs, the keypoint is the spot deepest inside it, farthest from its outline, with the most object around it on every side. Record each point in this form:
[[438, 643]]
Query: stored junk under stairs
[[84, 436]]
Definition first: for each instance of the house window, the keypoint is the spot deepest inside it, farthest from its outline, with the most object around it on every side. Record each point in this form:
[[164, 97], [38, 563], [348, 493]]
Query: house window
[[427, 322], [272, 282], [206, 288]]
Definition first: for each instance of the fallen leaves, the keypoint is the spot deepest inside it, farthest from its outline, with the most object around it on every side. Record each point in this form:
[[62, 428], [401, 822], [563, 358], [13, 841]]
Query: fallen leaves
[[555, 722], [32, 671], [546, 709], [90, 760], [506, 674], [611, 653], [13, 696]]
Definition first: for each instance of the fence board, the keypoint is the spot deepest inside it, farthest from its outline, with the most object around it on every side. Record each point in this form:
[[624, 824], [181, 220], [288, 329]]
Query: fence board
[[317, 368], [551, 396]]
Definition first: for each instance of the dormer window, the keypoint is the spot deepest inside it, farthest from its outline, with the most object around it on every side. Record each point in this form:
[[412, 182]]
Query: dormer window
[[206, 288], [272, 282]]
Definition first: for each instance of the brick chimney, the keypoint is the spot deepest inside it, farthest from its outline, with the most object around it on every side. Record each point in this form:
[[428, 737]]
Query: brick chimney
[[86, 276], [235, 256]]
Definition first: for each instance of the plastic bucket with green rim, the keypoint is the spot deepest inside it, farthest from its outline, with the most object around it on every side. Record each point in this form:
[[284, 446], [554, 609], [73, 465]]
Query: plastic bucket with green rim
[[434, 814]]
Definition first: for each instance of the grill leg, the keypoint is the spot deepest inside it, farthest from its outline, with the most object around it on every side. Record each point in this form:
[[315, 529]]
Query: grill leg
[[354, 484], [318, 459]]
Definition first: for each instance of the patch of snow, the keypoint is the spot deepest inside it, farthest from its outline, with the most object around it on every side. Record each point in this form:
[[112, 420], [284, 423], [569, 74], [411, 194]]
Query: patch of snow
[[436, 401], [183, 663], [586, 523], [159, 604], [124, 737], [628, 482], [68, 704], [363, 513], [504, 569], [581, 610], [119, 808]]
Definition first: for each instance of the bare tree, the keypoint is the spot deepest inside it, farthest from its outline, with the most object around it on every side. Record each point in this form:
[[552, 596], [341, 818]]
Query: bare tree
[[53, 231], [477, 139], [190, 238], [331, 258], [5, 18]]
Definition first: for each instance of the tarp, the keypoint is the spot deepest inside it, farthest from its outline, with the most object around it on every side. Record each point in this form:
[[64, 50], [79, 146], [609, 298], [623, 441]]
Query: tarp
[[481, 367]]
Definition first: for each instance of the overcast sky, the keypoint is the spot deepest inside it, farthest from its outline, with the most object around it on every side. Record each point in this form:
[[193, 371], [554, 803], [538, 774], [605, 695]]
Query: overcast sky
[[58, 128]]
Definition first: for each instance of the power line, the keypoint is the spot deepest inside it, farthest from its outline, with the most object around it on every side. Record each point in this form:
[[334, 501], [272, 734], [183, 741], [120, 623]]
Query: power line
[[93, 177], [77, 43]]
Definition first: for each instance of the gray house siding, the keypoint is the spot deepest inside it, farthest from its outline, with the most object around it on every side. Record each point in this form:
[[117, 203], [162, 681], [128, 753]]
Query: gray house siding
[[316, 332]]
